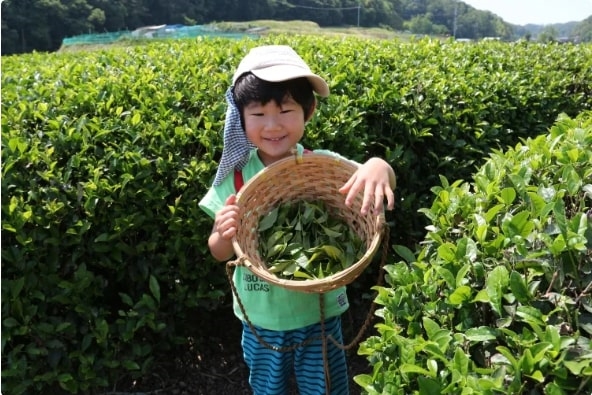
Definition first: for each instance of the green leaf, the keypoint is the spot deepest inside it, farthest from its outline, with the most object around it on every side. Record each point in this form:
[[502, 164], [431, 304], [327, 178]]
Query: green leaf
[[302, 274], [461, 362], [429, 386], [333, 252], [67, 382], [431, 327], [493, 211], [481, 232], [461, 278], [508, 195], [537, 375], [481, 334], [137, 117], [527, 362], [482, 296], [518, 287], [508, 355], [572, 180], [125, 298], [16, 286], [554, 389], [518, 225], [446, 275], [409, 368], [496, 283], [460, 295], [576, 367], [269, 220], [279, 266], [330, 232], [447, 252], [103, 237], [405, 253], [10, 322], [539, 350], [560, 218], [363, 380], [155, 288], [532, 316], [466, 249], [130, 365]]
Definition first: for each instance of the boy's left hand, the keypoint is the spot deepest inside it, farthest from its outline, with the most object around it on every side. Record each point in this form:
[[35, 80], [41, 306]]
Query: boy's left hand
[[377, 179]]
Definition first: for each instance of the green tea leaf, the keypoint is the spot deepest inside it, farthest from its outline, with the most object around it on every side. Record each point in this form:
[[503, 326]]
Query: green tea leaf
[[405, 253], [518, 287], [496, 283], [460, 295], [481, 334], [155, 288], [268, 220]]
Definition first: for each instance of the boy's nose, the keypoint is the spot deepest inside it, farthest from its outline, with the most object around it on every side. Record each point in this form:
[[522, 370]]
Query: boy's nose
[[272, 123]]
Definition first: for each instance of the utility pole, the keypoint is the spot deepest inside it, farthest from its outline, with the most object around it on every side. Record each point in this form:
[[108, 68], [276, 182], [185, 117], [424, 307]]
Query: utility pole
[[359, 1]]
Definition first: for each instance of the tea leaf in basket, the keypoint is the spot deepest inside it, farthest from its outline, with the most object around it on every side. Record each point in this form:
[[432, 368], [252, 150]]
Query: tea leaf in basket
[[290, 269], [303, 275], [349, 256], [302, 241], [278, 237], [276, 250], [279, 265], [302, 260], [308, 214], [332, 232], [268, 220]]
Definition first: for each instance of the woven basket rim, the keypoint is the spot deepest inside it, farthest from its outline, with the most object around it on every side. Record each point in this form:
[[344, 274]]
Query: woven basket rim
[[328, 283]]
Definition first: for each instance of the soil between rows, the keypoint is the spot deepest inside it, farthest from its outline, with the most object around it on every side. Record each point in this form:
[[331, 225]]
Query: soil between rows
[[215, 366]]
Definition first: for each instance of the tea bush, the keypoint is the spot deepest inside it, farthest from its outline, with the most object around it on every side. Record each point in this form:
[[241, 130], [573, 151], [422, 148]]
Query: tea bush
[[498, 299], [106, 153]]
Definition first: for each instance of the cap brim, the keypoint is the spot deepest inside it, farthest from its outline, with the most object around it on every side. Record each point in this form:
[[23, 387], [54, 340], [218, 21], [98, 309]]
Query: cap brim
[[286, 72]]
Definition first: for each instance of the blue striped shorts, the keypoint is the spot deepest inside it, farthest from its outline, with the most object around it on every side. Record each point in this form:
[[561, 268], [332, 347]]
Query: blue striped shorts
[[270, 371]]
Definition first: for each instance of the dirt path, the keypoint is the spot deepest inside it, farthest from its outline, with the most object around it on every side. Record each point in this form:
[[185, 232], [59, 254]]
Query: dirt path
[[216, 366]]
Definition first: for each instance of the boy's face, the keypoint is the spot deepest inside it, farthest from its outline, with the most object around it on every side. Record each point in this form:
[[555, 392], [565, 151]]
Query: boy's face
[[274, 129]]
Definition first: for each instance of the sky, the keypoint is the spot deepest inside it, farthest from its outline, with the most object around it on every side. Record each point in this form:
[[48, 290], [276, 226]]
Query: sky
[[540, 12]]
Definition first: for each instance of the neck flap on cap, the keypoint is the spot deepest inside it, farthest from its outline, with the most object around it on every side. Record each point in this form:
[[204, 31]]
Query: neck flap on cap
[[236, 149]]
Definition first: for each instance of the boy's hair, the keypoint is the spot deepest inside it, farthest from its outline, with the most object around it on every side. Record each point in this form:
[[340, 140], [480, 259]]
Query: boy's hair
[[249, 89]]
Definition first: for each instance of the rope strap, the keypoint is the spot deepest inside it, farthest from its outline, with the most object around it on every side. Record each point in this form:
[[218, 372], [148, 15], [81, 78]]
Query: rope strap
[[323, 337]]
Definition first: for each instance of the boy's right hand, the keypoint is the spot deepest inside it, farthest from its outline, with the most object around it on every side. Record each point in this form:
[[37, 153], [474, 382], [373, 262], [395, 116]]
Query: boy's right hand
[[226, 221]]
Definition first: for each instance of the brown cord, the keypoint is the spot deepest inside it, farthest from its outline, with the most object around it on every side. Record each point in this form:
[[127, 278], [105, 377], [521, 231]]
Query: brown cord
[[240, 262]]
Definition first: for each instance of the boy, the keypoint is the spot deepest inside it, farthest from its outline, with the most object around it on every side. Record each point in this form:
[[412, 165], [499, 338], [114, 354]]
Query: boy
[[269, 104]]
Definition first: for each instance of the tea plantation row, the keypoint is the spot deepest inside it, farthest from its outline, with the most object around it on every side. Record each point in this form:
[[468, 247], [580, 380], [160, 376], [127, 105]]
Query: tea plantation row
[[106, 153], [497, 301]]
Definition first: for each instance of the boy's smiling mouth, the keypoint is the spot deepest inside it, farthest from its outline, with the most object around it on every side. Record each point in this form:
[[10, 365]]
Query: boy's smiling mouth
[[274, 139]]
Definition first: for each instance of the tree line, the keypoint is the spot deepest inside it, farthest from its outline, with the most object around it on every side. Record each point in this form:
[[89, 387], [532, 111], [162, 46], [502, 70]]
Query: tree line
[[40, 25]]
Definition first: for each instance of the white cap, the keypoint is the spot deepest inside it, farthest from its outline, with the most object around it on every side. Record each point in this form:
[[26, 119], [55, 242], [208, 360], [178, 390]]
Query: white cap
[[275, 63]]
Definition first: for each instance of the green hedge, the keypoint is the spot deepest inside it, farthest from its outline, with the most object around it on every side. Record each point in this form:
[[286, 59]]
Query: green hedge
[[106, 153], [498, 299]]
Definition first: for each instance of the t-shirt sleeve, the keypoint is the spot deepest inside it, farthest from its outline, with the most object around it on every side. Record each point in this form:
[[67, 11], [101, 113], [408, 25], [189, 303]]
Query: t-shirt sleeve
[[216, 196]]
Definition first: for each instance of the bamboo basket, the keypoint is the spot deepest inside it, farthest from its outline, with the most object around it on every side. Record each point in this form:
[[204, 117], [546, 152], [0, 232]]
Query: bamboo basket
[[311, 177]]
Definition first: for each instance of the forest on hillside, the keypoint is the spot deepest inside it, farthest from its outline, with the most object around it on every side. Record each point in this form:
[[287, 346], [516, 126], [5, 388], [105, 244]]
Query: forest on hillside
[[41, 25]]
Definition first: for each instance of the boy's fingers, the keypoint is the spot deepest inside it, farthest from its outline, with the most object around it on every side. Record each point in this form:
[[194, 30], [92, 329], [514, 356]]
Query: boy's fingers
[[371, 195], [347, 186], [351, 195], [229, 233], [378, 200], [390, 198], [230, 199]]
